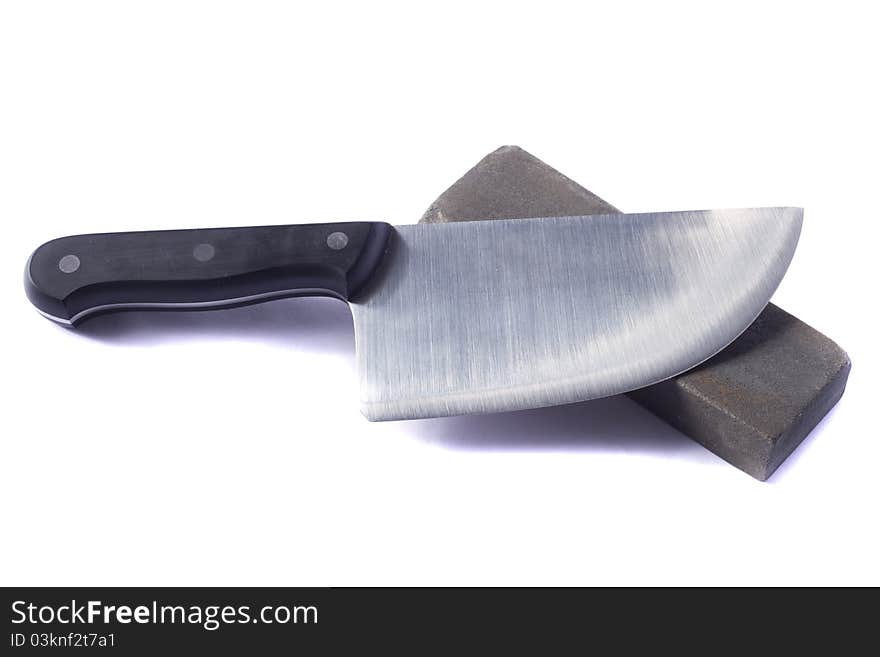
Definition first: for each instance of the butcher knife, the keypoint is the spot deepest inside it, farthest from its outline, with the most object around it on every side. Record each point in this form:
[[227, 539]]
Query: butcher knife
[[462, 318]]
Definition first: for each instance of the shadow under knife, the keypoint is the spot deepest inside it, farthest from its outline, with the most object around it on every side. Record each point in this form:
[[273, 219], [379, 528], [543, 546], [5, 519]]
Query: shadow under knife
[[308, 323], [613, 424]]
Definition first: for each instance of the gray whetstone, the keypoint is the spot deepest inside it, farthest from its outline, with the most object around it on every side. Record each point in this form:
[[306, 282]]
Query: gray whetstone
[[753, 403]]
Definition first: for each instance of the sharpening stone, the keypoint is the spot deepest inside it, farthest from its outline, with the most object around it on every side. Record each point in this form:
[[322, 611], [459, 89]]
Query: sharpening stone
[[753, 403]]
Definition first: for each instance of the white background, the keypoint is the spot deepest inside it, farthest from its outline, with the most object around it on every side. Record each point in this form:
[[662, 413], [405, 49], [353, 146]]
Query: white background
[[227, 448]]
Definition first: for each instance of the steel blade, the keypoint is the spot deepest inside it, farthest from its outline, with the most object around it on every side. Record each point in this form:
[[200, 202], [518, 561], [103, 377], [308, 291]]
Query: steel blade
[[481, 317]]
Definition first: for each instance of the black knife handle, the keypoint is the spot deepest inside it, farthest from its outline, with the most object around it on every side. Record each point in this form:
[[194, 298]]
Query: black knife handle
[[72, 278]]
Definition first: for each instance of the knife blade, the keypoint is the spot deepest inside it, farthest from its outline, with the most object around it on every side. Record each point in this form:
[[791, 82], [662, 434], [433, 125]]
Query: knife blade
[[462, 318]]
